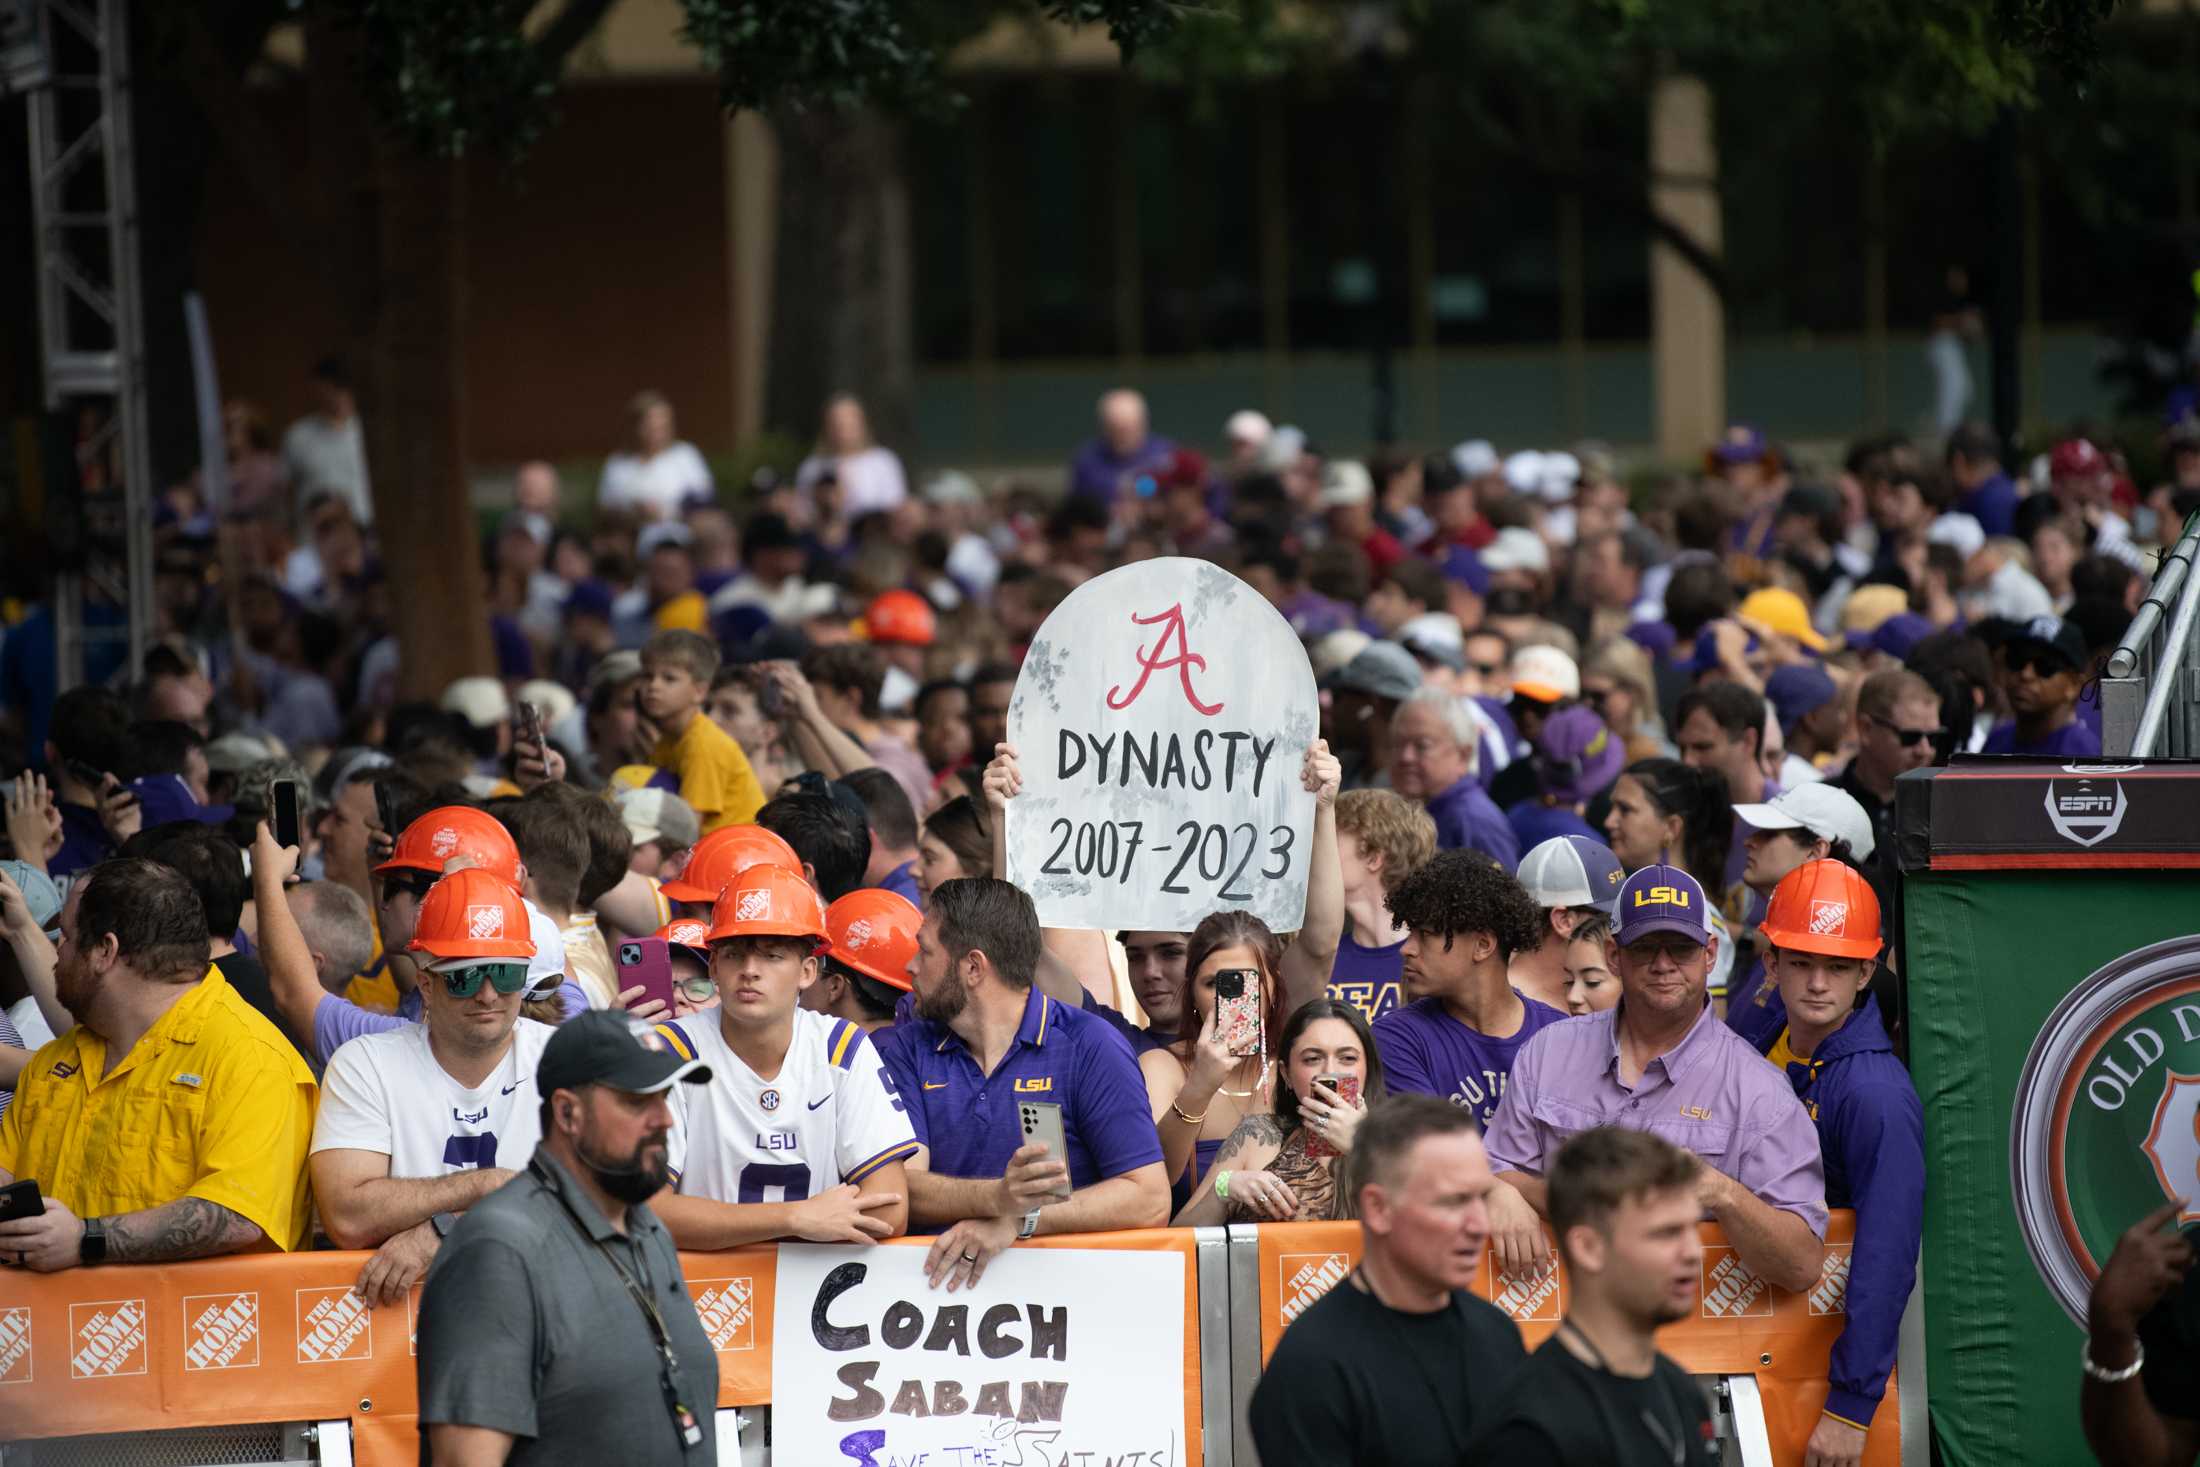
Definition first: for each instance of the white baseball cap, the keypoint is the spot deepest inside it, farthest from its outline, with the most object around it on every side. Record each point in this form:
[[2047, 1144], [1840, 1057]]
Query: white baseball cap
[[1826, 812], [1572, 871], [1346, 482], [1247, 426], [479, 700], [546, 969], [1544, 673], [1517, 548], [657, 814]]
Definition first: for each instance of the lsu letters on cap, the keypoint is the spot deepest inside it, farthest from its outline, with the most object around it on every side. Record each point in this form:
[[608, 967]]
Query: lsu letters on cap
[[1661, 899]]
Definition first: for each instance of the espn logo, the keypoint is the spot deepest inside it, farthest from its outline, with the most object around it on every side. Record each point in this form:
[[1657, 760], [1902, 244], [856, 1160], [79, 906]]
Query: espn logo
[[1302, 1278], [221, 1331], [1830, 1295], [1731, 1291], [333, 1324], [107, 1338], [15, 1347], [727, 1308]]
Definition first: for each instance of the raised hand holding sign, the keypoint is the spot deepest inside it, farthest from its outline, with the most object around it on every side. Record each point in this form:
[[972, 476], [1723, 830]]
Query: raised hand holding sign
[[1163, 715]]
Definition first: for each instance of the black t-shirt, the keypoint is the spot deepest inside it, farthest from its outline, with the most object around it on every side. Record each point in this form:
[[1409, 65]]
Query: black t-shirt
[[250, 980], [1355, 1383], [1560, 1412], [2170, 1335]]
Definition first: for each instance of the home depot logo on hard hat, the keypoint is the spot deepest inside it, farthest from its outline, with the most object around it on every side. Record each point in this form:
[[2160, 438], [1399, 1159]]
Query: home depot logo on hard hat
[[485, 920], [443, 842], [2106, 1123], [753, 906], [1829, 916]]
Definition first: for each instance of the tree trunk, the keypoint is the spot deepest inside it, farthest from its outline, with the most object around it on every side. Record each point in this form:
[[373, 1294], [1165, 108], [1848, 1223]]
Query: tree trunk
[[431, 549], [393, 228], [842, 315]]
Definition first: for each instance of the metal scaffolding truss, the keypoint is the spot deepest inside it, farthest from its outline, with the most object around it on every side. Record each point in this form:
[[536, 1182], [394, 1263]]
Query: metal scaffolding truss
[[91, 317]]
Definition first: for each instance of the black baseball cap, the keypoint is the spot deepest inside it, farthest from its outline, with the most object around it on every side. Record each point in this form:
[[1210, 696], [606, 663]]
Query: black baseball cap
[[612, 1047], [2054, 633]]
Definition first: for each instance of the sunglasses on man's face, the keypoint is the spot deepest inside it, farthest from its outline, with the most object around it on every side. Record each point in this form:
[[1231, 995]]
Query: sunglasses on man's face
[[415, 887], [2042, 664], [506, 978], [1906, 735]]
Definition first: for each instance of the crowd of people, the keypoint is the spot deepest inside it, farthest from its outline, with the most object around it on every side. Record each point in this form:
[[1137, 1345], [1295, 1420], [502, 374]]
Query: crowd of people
[[700, 902]]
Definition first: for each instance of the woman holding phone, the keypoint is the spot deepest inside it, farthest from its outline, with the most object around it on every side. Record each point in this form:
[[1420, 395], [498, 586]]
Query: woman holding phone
[[1203, 1085], [1282, 1167]]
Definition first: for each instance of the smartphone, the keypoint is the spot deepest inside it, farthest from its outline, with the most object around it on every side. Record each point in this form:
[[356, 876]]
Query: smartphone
[[1347, 1089], [645, 960], [19, 1200], [385, 809], [1237, 1010], [284, 798], [530, 724], [88, 775], [1042, 1122]]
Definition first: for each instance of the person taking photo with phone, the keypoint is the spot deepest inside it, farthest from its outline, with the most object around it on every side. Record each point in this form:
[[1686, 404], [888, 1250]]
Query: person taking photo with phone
[[1284, 1167], [801, 1133], [981, 1040], [420, 1122], [1202, 1087]]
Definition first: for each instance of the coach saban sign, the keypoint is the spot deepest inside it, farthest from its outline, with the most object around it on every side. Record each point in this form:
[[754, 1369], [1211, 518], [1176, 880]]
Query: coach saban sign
[[2107, 1118]]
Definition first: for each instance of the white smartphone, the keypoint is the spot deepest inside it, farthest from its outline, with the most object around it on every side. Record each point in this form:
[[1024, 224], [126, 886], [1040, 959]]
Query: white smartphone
[[1042, 1122]]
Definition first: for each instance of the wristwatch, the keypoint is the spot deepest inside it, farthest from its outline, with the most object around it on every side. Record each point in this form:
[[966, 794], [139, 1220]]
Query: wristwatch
[[443, 1222], [1028, 1226], [92, 1248]]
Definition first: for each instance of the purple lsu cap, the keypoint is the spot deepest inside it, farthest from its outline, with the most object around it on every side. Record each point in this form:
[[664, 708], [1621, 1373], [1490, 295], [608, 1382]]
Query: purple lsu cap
[[1661, 899]]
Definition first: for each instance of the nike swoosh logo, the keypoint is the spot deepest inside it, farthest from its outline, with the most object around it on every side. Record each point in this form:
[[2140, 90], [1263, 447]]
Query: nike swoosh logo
[[816, 1103], [507, 1090], [930, 1086]]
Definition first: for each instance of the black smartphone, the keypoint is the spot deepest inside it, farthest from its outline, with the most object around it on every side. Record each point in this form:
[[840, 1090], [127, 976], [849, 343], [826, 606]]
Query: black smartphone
[[385, 809], [88, 775], [285, 801], [19, 1200]]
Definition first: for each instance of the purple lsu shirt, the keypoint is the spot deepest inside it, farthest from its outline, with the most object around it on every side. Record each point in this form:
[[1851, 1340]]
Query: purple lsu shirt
[[1710, 1093], [1367, 977], [1426, 1050], [1468, 819], [2072, 741]]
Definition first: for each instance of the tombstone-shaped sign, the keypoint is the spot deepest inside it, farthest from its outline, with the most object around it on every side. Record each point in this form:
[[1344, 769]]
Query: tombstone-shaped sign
[[1162, 719]]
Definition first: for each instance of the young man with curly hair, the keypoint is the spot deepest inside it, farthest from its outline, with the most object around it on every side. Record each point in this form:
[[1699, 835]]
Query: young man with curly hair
[[1463, 1022]]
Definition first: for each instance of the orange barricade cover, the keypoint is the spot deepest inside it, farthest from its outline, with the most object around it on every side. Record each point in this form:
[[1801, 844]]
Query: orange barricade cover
[[280, 1337], [1742, 1325]]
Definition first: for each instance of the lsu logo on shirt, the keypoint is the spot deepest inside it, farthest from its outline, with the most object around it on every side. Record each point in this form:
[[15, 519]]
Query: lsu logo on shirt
[[1661, 896], [1035, 1085]]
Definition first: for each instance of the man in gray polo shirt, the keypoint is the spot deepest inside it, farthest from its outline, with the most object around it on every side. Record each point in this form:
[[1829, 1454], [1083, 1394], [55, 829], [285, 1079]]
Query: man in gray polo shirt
[[555, 1326]]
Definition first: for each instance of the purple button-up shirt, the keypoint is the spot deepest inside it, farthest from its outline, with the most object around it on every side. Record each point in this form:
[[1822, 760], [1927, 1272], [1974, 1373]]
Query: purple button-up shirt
[[1711, 1093]]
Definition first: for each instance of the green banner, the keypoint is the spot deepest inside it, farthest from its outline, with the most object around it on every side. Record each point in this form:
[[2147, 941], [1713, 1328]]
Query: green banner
[[2055, 1039]]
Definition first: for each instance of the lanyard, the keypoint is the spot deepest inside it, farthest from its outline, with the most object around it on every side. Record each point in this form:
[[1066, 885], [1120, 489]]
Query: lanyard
[[1675, 1446], [668, 1363]]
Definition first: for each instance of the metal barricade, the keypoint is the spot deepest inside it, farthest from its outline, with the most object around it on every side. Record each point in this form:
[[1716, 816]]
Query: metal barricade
[[2150, 691]]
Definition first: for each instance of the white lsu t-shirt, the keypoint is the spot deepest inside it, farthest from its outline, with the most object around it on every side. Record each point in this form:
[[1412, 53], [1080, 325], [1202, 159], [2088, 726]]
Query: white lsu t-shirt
[[385, 1092], [830, 1115]]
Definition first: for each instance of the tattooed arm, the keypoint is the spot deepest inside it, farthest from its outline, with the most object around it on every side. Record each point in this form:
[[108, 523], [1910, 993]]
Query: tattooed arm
[[189, 1227], [1250, 1147]]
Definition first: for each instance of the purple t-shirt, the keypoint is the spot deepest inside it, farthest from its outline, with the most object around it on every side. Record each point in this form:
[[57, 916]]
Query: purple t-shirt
[[1468, 819], [1367, 977], [2072, 741], [902, 882], [1711, 1093], [1427, 1051]]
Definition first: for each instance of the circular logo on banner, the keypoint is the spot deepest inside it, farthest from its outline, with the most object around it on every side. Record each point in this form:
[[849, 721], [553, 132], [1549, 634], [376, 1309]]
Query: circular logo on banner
[[2107, 1119]]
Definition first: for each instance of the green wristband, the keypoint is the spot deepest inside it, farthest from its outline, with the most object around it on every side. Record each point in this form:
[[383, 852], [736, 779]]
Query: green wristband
[[1222, 1185]]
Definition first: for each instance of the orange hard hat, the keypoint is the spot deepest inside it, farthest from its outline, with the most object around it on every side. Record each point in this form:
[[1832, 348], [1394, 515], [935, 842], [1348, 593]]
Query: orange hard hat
[[767, 901], [433, 841], [472, 913], [724, 854], [901, 616], [1824, 907], [692, 933], [874, 932]]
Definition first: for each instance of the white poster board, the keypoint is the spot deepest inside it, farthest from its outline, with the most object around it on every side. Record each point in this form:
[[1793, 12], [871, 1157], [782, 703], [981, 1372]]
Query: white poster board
[[1060, 1356], [1163, 716]]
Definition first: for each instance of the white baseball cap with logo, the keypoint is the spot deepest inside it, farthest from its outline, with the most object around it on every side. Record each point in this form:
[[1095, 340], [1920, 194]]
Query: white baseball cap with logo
[[656, 814], [1827, 813]]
